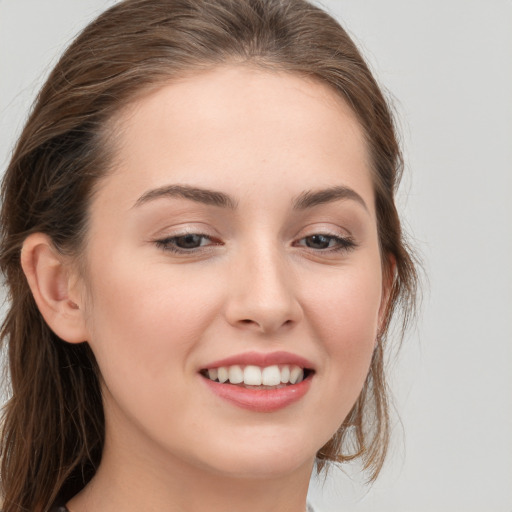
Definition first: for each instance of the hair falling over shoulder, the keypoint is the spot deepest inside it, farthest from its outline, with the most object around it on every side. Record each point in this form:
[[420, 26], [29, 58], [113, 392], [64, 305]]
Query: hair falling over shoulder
[[53, 425]]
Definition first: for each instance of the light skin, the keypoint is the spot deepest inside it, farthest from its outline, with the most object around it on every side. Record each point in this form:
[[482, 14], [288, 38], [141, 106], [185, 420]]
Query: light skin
[[283, 256]]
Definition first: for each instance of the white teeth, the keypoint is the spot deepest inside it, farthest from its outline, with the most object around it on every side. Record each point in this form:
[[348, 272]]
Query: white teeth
[[285, 374], [222, 373], [296, 375], [252, 376], [271, 376], [236, 375], [256, 376]]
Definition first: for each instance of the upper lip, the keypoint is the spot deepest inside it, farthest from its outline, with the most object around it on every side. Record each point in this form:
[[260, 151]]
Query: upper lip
[[262, 360]]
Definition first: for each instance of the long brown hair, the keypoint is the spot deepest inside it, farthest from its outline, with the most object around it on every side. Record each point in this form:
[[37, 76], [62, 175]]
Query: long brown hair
[[53, 424]]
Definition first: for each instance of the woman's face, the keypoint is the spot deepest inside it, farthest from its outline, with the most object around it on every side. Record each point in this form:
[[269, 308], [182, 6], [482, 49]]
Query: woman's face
[[236, 234]]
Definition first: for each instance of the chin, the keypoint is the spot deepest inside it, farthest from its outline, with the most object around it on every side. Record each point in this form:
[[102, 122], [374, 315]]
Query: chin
[[263, 456]]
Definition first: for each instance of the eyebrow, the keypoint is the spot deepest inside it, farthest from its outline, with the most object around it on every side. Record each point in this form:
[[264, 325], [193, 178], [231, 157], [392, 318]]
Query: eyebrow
[[311, 198], [200, 195], [305, 200]]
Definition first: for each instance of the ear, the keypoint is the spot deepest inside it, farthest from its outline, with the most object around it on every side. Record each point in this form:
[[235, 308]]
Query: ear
[[52, 283], [388, 280]]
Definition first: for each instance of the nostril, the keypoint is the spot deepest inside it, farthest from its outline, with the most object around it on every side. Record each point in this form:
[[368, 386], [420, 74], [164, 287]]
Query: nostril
[[265, 326]]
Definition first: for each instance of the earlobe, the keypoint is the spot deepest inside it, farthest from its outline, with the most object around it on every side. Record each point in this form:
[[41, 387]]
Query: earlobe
[[49, 278]]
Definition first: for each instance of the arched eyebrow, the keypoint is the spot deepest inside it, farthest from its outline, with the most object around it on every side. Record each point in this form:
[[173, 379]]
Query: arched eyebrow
[[197, 194], [305, 200], [311, 198]]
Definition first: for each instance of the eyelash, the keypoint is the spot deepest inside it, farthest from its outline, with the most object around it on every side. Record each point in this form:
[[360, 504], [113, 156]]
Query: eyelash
[[170, 243], [342, 243]]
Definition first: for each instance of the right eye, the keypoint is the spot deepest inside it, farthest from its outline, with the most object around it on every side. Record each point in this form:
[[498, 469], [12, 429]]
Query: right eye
[[189, 242]]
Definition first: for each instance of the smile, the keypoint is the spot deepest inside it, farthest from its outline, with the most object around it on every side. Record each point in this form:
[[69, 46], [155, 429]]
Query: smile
[[259, 382], [269, 377]]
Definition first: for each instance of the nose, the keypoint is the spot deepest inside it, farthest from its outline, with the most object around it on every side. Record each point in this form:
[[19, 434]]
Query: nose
[[263, 294]]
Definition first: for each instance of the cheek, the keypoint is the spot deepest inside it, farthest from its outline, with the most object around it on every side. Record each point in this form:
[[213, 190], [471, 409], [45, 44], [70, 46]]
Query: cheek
[[344, 312], [342, 309], [147, 322], [142, 330]]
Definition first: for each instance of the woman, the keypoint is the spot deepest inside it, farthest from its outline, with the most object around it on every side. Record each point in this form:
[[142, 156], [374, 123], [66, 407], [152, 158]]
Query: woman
[[203, 257]]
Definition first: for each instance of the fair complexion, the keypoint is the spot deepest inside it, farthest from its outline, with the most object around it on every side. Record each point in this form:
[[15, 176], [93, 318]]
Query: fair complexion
[[238, 223]]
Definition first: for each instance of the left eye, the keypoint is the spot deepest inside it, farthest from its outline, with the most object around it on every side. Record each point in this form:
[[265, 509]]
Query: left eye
[[182, 243], [323, 242]]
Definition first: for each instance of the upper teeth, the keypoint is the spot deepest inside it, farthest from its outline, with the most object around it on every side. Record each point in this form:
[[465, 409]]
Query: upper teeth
[[257, 376]]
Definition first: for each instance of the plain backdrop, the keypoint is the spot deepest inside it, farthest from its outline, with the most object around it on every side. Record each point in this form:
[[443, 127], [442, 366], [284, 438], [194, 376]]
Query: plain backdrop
[[447, 65]]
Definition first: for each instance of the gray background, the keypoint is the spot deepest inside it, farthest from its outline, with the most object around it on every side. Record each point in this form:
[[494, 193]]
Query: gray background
[[448, 64]]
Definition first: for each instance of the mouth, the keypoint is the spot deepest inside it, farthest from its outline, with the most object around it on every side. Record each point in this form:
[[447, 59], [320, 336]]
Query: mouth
[[259, 382], [258, 378]]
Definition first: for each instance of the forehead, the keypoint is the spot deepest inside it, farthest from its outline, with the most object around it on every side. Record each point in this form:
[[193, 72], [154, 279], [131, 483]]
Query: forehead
[[242, 128]]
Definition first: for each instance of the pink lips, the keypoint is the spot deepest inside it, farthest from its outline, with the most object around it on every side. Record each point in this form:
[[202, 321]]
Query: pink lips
[[261, 400], [259, 359]]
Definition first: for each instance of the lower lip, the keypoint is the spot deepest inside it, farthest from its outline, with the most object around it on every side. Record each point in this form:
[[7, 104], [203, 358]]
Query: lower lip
[[260, 400]]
